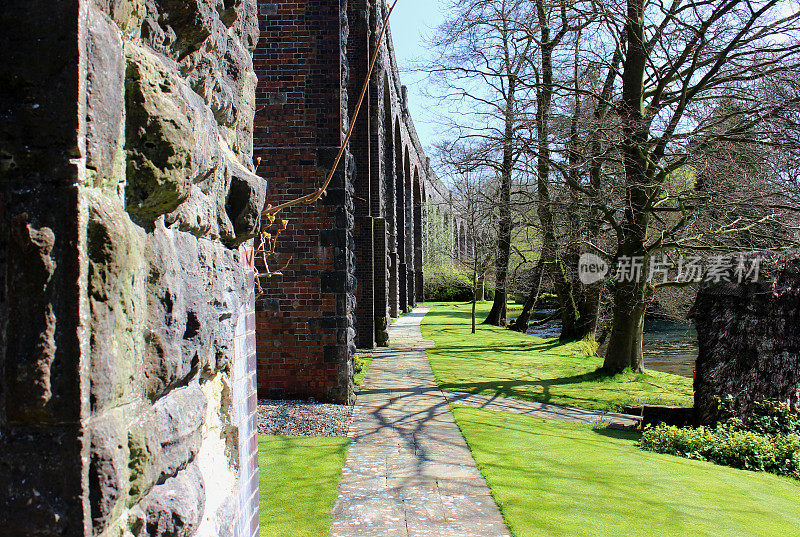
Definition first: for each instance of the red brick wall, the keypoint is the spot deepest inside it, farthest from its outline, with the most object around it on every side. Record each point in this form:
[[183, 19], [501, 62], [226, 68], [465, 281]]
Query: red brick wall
[[358, 55], [304, 339], [355, 254], [245, 402]]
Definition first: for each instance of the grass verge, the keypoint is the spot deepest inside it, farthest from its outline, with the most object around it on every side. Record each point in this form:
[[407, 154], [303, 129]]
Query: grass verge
[[502, 362], [298, 484], [564, 479], [362, 366]]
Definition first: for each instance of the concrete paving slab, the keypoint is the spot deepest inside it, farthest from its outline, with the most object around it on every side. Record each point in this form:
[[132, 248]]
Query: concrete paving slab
[[409, 470]]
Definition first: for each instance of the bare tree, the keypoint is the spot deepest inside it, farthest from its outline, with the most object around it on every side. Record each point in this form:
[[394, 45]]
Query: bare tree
[[556, 26], [672, 128], [473, 208], [678, 58], [484, 47]]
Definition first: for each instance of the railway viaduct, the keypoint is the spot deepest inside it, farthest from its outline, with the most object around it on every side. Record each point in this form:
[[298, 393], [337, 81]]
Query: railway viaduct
[[128, 201], [357, 254]]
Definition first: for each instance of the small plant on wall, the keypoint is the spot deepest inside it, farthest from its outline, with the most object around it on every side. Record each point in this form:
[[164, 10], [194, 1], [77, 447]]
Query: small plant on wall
[[267, 239]]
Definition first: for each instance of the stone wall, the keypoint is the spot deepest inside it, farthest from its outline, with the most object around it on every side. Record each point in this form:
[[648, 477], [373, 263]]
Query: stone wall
[[126, 308], [748, 338]]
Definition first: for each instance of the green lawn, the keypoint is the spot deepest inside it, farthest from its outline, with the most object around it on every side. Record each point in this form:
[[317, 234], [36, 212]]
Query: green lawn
[[298, 484], [555, 478], [502, 362]]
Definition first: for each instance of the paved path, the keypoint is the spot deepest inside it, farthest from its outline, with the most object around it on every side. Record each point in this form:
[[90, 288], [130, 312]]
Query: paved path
[[409, 472], [544, 410]]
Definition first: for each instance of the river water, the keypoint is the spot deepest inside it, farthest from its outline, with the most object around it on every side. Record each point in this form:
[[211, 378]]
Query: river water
[[669, 346]]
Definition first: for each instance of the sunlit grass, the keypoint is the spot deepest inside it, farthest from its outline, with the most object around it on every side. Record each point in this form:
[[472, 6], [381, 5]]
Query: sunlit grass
[[362, 365], [553, 478], [298, 484], [502, 362]]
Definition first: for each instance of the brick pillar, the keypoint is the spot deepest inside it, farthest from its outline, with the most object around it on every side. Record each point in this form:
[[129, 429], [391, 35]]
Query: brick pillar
[[402, 270], [409, 250], [43, 403], [381, 279], [411, 281], [365, 274], [419, 231], [305, 331], [122, 340], [378, 121], [400, 227], [394, 285], [420, 284], [245, 404], [358, 61]]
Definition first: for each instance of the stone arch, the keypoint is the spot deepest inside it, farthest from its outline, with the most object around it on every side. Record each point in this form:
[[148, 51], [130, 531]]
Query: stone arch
[[408, 207], [418, 200], [391, 148], [400, 218]]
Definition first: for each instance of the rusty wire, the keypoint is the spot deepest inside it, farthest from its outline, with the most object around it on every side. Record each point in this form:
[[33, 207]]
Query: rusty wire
[[308, 199]]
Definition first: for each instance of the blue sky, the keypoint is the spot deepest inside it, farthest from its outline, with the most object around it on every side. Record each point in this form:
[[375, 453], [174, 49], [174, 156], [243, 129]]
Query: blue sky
[[411, 21]]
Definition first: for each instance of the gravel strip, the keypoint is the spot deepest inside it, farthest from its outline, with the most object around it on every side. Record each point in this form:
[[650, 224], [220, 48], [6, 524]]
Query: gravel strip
[[301, 418]]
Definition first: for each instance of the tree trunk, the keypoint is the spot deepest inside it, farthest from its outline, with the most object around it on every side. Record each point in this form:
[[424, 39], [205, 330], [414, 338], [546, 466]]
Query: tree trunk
[[481, 286], [625, 342], [582, 323], [520, 324], [474, 298], [497, 315], [474, 289], [550, 255], [590, 309]]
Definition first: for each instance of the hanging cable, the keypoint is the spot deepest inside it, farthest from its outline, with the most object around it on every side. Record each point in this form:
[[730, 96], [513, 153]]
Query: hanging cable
[[308, 199]]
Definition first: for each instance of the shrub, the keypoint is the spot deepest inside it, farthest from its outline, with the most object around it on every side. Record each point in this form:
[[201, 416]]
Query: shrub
[[517, 298], [452, 285], [729, 447], [765, 417], [545, 300], [587, 346], [548, 300], [767, 440]]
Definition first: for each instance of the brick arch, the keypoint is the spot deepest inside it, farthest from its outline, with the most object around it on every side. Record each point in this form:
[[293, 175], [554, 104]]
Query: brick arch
[[408, 209], [400, 218], [418, 230]]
